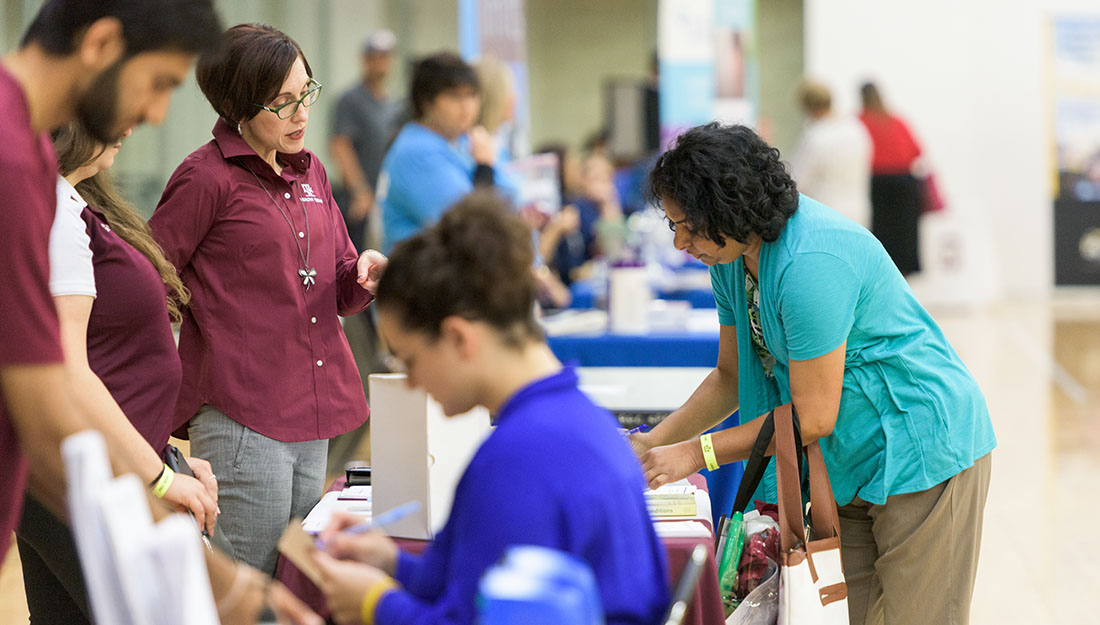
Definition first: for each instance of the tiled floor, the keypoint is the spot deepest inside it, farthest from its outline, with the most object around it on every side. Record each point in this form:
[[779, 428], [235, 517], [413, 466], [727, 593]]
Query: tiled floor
[[1039, 364]]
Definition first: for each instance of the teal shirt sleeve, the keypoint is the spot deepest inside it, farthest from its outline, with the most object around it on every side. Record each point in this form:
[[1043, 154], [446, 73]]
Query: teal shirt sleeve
[[720, 278], [817, 299]]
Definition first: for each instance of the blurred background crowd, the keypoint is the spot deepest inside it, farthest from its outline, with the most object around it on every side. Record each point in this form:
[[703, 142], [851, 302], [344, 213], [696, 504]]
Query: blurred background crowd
[[965, 136]]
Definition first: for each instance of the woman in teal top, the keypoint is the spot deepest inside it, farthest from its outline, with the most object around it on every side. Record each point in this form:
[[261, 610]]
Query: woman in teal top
[[813, 311]]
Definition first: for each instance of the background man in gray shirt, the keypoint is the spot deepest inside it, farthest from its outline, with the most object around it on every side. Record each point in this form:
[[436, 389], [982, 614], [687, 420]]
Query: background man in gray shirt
[[364, 121]]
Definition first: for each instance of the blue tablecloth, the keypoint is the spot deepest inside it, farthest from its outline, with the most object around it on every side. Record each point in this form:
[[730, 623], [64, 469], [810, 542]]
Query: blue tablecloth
[[584, 296], [699, 298], [645, 350]]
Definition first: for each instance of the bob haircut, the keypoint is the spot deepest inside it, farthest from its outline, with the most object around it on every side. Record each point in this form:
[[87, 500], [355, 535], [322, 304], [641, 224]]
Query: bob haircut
[[728, 182], [248, 70], [476, 263], [438, 73]]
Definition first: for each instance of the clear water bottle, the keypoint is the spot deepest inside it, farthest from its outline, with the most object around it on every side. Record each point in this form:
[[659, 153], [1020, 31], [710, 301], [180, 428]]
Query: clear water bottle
[[539, 586]]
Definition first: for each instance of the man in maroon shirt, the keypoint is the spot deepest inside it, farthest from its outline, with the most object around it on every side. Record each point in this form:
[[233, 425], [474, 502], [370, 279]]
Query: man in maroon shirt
[[77, 59], [111, 64]]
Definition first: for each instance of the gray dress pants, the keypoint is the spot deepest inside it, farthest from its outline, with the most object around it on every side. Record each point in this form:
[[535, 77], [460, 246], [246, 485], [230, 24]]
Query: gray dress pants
[[262, 482]]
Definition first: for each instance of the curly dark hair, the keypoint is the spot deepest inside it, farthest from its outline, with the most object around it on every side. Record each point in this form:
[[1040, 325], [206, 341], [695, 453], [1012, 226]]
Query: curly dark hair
[[476, 263], [728, 182]]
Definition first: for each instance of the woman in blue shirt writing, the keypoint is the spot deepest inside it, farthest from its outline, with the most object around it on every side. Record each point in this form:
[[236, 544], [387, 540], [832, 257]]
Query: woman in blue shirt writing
[[456, 307], [814, 312]]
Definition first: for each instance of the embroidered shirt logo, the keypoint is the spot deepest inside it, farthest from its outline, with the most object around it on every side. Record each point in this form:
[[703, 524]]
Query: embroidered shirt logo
[[310, 195], [106, 227]]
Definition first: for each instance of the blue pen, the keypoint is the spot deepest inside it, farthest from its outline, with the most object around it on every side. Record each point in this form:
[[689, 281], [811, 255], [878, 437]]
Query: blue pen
[[390, 516], [643, 428]]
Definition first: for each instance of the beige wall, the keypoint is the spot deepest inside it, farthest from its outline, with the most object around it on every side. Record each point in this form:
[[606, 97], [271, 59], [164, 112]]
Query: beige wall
[[779, 35], [573, 45]]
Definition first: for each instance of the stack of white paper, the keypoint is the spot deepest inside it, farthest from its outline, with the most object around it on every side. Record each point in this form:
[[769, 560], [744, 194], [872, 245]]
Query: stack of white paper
[[137, 572], [321, 514]]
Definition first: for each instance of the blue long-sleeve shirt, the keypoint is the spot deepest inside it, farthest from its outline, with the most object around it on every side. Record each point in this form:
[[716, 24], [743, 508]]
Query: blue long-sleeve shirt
[[555, 473]]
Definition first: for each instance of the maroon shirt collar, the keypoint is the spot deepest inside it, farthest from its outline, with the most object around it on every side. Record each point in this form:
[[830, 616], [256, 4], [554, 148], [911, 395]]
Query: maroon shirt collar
[[232, 145]]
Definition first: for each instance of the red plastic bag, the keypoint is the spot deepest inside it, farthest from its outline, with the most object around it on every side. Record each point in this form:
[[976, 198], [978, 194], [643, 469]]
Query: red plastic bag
[[754, 560], [932, 202]]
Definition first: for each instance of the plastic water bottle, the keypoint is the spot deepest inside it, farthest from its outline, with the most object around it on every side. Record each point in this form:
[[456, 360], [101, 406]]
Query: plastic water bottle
[[539, 586]]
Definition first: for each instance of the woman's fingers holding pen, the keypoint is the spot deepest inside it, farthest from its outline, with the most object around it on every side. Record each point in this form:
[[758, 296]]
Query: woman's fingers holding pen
[[641, 443], [373, 548], [340, 521]]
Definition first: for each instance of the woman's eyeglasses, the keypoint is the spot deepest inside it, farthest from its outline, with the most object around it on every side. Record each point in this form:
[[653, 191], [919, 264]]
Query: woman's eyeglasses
[[288, 109]]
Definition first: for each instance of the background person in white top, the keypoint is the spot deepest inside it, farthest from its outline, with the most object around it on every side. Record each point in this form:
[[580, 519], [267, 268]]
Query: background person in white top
[[832, 163]]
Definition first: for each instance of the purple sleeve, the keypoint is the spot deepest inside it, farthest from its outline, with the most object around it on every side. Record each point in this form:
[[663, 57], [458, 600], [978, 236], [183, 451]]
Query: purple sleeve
[[186, 211], [494, 509]]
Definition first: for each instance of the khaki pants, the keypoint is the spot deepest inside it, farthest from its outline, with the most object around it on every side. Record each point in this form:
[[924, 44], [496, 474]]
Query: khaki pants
[[913, 559]]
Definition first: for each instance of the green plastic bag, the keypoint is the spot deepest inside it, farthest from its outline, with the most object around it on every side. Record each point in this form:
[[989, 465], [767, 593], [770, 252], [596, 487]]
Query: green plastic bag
[[731, 557]]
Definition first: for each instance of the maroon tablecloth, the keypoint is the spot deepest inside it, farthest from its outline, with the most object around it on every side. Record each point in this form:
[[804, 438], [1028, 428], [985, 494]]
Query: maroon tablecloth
[[706, 607]]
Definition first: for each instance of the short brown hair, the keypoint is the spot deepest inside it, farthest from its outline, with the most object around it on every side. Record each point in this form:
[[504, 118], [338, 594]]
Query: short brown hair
[[814, 97], [248, 70]]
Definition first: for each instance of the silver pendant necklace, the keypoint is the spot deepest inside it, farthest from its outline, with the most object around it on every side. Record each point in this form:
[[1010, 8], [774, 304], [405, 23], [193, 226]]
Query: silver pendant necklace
[[306, 273]]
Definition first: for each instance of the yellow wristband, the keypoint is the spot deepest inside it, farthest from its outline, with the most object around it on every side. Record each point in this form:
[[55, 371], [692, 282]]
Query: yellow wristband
[[708, 452], [373, 596], [164, 482]]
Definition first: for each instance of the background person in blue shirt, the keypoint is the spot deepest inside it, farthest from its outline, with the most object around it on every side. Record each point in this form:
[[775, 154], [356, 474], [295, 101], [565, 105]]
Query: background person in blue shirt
[[456, 307], [439, 156], [813, 311]]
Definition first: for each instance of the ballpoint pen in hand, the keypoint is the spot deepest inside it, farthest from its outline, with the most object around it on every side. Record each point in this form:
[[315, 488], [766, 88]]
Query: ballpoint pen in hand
[[390, 516], [641, 429]]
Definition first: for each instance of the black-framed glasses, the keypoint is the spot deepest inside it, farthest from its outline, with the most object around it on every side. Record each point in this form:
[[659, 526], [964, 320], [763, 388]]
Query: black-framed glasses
[[288, 109], [673, 225]]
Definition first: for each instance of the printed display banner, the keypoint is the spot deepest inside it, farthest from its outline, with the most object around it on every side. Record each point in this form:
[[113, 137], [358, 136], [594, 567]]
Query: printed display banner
[[708, 63], [1076, 71]]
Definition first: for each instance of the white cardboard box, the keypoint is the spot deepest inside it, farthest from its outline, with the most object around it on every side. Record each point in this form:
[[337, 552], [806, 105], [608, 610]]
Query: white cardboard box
[[418, 453]]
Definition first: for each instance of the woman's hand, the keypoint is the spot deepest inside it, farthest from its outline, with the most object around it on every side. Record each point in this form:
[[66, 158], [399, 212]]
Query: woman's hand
[[204, 473], [482, 146], [641, 443], [373, 548], [241, 601], [188, 493], [670, 463], [288, 609], [372, 264], [345, 584]]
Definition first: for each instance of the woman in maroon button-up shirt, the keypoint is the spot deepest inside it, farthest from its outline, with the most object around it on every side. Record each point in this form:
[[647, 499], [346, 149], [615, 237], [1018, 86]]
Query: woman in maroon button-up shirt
[[249, 221]]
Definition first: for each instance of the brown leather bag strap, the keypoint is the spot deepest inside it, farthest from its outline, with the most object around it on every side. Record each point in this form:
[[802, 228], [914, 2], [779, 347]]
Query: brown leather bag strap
[[826, 522], [792, 532]]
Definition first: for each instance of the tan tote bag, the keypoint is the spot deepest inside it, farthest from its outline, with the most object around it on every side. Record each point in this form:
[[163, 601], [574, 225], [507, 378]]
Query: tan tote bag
[[811, 583]]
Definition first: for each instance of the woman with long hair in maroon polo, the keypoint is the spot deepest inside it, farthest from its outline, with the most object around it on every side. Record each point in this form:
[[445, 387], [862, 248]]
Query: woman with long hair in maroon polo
[[115, 295], [249, 222]]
